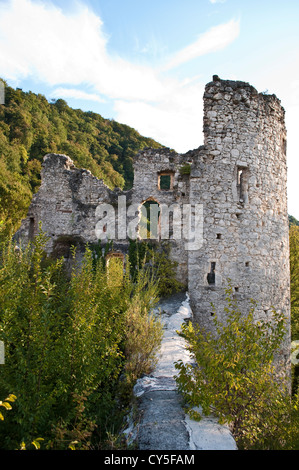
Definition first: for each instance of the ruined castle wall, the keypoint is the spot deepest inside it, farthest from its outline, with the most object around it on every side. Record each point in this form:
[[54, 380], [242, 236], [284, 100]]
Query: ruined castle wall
[[65, 205], [240, 178], [68, 200], [149, 166]]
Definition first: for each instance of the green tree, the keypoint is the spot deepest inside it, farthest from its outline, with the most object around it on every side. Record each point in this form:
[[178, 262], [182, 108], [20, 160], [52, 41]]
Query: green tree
[[156, 258], [293, 220]]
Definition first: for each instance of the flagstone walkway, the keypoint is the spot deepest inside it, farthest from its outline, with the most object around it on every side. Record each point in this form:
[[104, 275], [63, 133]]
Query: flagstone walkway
[[163, 424]]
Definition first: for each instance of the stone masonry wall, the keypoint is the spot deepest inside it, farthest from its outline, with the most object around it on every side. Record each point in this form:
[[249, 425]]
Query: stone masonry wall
[[65, 204], [149, 164]]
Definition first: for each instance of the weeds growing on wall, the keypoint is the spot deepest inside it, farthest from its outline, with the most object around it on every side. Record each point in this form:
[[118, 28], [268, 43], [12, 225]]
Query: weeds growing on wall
[[68, 340]]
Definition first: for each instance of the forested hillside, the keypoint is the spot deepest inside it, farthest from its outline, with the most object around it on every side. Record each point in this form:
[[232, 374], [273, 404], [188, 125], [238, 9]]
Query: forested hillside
[[30, 127], [293, 220]]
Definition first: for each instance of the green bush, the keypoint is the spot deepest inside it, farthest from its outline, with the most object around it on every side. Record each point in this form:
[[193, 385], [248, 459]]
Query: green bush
[[66, 342], [6, 404], [235, 378], [144, 334]]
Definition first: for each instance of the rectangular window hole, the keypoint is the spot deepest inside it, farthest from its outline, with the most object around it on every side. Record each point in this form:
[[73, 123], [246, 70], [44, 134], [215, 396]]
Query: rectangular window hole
[[284, 146], [165, 181], [219, 236], [242, 183], [31, 228], [236, 289], [247, 264], [211, 274]]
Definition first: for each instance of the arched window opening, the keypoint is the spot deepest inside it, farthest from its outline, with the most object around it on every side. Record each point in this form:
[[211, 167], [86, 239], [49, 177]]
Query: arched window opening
[[149, 225]]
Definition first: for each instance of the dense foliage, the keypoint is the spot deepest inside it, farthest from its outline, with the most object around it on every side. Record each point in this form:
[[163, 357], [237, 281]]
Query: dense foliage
[[156, 257], [293, 220], [235, 379], [31, 127], [294, 269], [72, 346], [294, 272]]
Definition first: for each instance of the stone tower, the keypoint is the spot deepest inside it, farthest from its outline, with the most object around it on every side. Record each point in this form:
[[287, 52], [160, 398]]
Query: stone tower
[[239, 176]]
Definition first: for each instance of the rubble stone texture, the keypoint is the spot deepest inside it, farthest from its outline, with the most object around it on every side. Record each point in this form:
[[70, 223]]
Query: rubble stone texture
[[239, 177]]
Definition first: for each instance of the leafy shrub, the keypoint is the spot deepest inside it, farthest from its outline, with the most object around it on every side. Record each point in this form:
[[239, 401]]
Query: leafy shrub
[[67, 345], [6, 404], [294, 271], [144, 334], [185, 169], [235, 377]]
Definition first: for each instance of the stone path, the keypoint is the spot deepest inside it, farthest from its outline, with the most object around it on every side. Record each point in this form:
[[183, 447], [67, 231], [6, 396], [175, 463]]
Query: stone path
[[163, 424]]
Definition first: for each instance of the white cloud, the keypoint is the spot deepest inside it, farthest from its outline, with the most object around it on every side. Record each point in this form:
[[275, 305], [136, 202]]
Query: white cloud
[[38, 40], [77, 94], [69, 50], [217, 1], [175, 122], [216, 39]]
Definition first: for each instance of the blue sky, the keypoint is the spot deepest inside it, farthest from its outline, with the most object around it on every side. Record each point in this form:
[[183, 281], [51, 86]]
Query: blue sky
[[145, 62]]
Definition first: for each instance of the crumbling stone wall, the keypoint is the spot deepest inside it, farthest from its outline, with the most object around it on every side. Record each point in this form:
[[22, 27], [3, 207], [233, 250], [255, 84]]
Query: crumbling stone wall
[[238, 177], [149, 165], [65, 204]]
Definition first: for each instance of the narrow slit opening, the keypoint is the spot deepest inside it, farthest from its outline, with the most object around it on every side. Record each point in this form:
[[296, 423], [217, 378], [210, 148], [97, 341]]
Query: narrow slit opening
[[211, 274]]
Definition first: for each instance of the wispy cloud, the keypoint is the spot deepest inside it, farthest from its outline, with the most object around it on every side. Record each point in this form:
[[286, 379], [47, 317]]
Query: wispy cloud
[[216, 39], [68, 51], [77, 94], [38, 40]]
